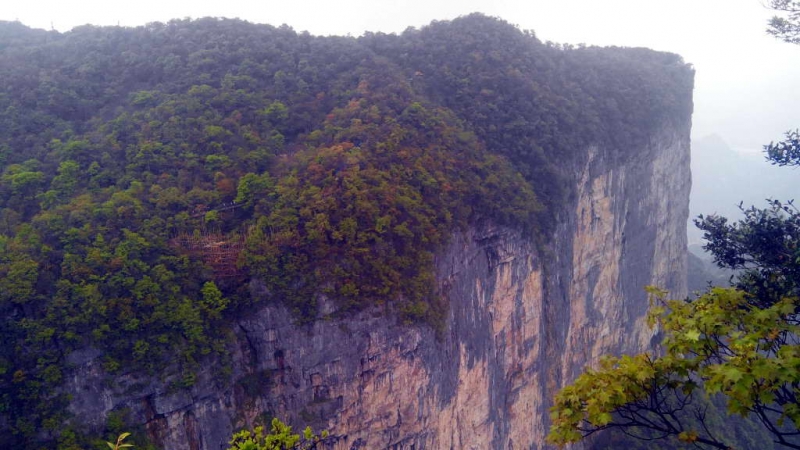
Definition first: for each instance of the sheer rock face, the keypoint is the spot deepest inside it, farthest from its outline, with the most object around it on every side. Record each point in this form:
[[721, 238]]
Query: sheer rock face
[[523, 320]]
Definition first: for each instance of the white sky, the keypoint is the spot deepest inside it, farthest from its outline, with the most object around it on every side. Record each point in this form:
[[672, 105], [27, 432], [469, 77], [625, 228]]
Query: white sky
[[747, 85]]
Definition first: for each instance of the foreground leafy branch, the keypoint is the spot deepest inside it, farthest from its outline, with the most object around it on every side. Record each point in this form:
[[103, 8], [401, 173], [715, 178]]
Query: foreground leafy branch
[[717, 344]]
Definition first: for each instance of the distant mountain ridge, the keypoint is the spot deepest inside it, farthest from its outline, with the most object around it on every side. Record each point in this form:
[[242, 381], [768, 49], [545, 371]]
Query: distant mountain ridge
[[723, 178]]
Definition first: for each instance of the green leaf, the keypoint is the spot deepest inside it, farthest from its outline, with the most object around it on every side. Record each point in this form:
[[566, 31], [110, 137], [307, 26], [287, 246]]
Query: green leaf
[[693, 335]]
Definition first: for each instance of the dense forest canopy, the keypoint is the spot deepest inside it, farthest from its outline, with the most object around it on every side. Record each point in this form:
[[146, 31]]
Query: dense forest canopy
[[157, 182]]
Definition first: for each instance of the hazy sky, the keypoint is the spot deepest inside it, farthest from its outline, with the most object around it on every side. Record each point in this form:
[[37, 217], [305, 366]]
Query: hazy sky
[[747, 85]]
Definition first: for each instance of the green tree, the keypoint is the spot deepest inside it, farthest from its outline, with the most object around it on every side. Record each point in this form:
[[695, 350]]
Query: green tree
[[276, 113], [720, 343], [280, 437], [213, 300], [252, 187]]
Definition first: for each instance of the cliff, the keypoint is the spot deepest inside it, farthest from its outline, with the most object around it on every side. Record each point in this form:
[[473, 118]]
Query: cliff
[[411, 241], [521, 322]]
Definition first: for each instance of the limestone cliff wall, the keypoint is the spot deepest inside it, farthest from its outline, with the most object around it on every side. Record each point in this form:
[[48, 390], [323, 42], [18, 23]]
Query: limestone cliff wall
[[522, 322]]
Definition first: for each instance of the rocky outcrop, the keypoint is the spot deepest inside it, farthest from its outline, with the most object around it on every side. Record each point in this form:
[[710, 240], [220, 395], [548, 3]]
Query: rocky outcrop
[[523, 320]]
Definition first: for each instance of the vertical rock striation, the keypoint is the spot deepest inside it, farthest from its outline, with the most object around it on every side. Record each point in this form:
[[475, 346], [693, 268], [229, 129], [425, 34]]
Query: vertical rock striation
[[523, 320]]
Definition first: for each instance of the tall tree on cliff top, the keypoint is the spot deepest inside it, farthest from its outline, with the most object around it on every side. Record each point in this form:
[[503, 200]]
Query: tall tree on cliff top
[[742, 343]]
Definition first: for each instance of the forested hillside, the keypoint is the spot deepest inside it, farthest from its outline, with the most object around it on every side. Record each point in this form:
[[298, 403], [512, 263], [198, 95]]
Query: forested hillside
[[156, 182]]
